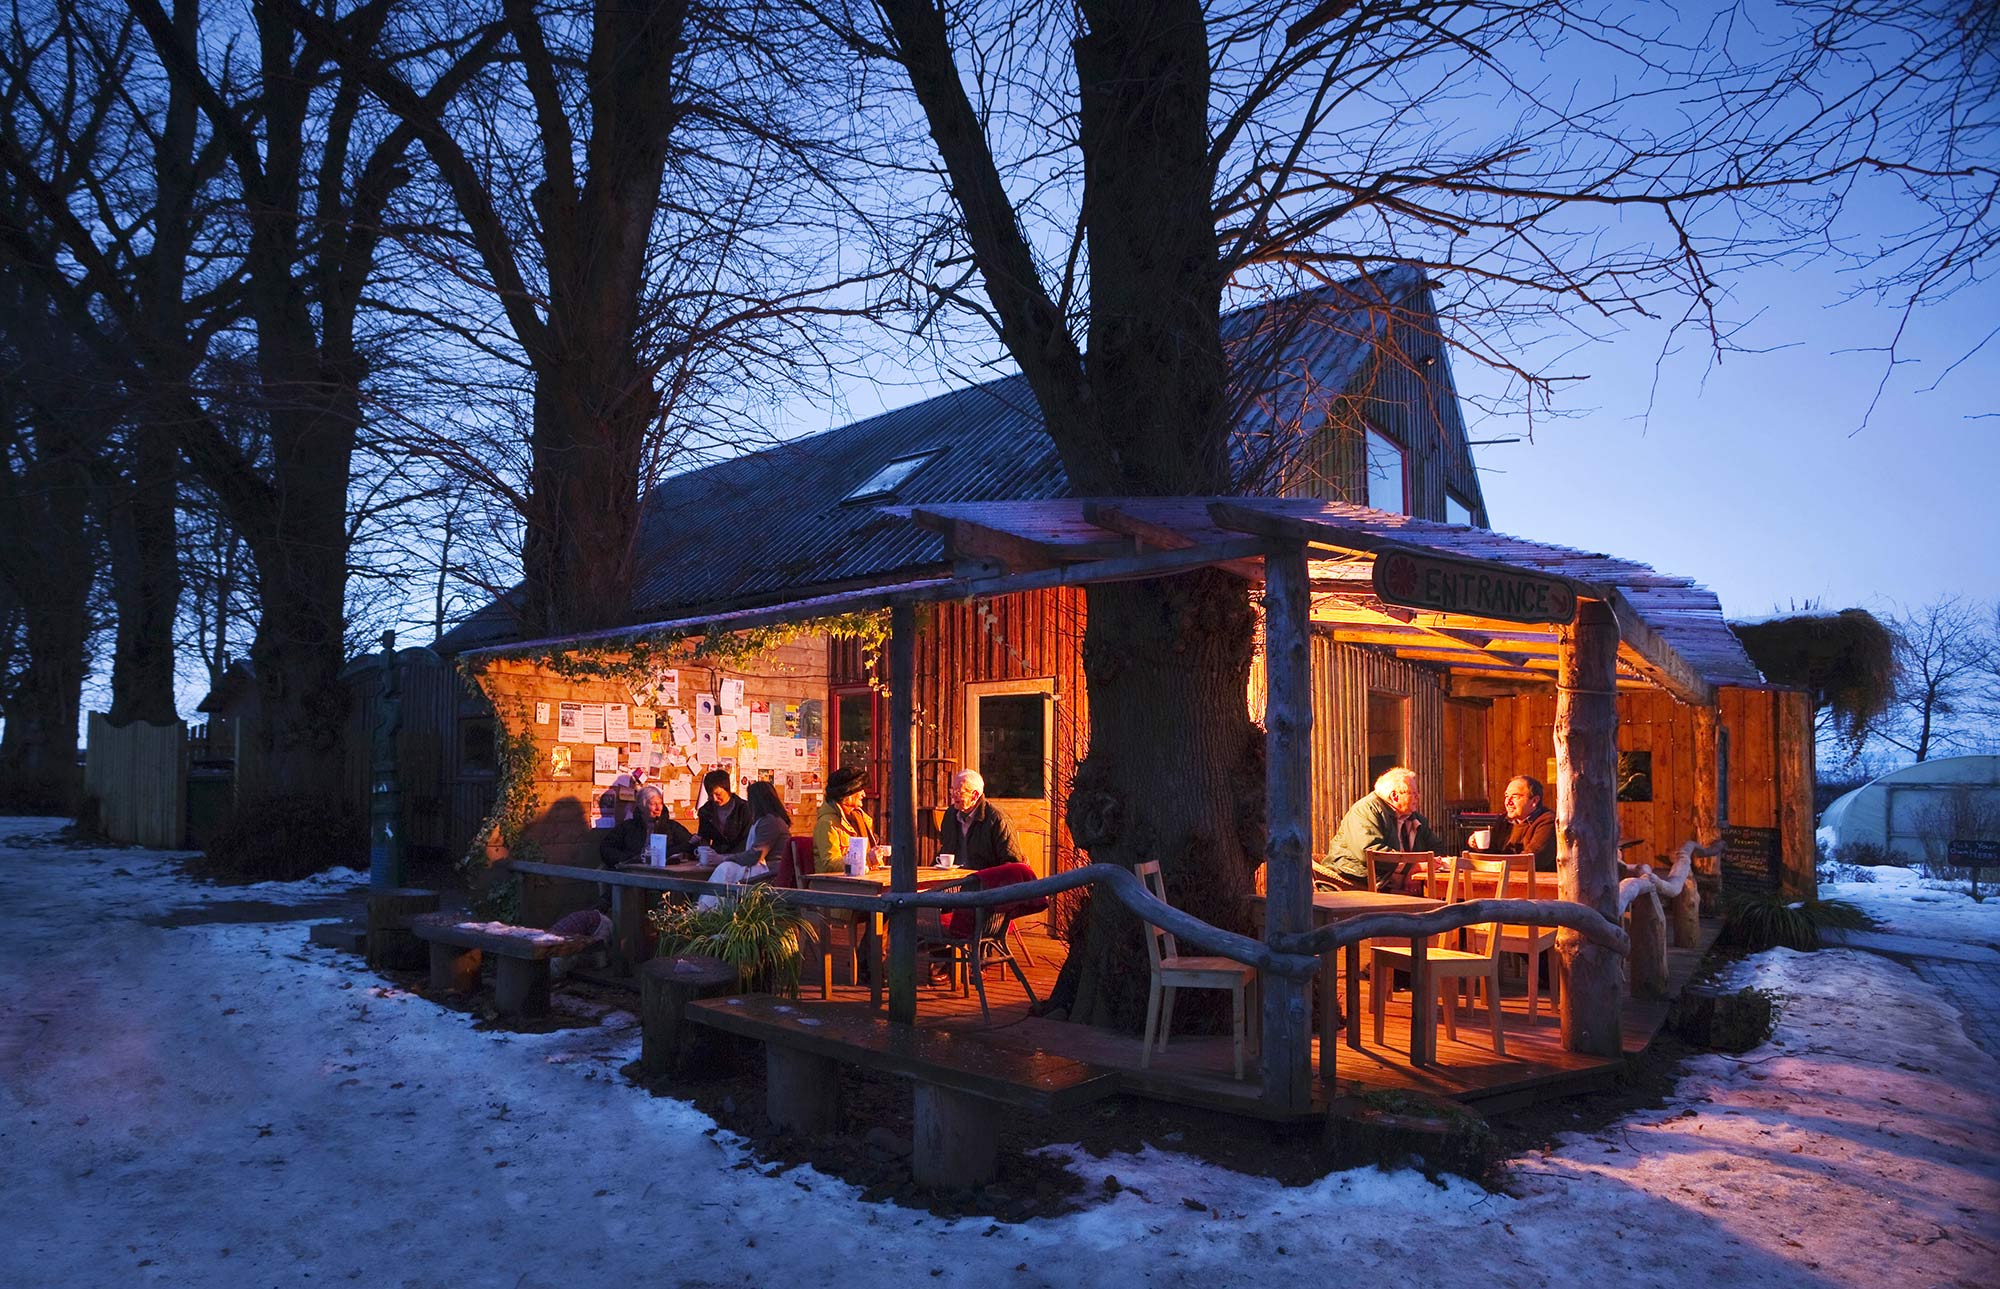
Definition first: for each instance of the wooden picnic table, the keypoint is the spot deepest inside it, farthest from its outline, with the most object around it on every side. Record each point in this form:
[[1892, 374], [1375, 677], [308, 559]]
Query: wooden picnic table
[[1338, 906], [873, 882]]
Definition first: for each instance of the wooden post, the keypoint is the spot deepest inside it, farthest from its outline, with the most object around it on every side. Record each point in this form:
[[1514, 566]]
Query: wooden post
[[1288, 717], [1707, 785], [390, 941], [902, 810], [1684, 915], [1646, 923], [1798, 877], [1586, 736], [801, 1091], [670, 1043], [956, 1139]]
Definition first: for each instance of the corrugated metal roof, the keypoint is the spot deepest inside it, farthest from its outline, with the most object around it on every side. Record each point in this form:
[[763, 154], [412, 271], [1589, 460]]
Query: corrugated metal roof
[[771, 525]]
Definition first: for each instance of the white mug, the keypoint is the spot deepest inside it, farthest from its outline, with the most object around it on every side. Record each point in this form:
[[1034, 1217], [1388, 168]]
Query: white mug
[[1482, 840], [946, 859]]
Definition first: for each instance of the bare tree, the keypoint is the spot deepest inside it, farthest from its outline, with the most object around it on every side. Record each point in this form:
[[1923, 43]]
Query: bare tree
[[1110, 169], [622, 183], [272, 266], [1941, 651]]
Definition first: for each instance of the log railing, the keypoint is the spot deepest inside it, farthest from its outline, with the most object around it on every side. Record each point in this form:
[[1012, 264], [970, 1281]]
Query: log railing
[[1296, 956], [1659, 908]]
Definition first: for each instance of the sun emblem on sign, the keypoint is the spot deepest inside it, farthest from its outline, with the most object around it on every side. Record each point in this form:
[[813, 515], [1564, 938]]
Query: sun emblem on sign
[[1399, 576]]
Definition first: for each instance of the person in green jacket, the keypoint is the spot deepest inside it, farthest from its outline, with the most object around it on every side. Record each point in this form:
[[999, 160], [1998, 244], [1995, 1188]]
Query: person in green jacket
[[1385, 819]]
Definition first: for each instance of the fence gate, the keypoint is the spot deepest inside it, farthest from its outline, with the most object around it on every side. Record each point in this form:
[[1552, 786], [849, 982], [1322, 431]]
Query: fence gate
[[138, 774]]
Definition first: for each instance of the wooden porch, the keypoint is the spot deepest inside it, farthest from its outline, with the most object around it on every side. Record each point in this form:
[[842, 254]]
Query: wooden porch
[[1195, 1070]]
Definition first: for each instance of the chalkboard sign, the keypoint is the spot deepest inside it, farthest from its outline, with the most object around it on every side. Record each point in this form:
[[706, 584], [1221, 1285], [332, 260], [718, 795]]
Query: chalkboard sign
[[1750, 860], [1968, 851]]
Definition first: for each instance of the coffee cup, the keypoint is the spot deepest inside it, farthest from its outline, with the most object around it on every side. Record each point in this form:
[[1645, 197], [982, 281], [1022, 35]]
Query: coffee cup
[[946, 859]]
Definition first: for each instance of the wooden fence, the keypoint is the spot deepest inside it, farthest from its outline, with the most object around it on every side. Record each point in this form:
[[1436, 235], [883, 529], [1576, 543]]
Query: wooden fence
[[138, 774]]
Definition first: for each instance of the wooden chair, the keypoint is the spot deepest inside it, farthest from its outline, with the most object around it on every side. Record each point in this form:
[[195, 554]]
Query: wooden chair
[[972, 940], [1423, 859], [1449, 966], [1172, 971], [1531, 942]]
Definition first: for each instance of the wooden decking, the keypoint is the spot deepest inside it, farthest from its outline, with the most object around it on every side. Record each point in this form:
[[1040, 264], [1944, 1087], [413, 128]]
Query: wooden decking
[[1196, 1070]]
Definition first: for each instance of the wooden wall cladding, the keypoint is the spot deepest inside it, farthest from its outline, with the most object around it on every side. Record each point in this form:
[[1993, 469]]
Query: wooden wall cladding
[[1769, 770], [1342, 677]]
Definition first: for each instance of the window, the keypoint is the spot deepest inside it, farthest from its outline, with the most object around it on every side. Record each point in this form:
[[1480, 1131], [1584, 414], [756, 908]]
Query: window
[[478, 753], [884, 482], [1011, 730], [1387, 488], [854, 710], [1456, 511], [1387, 720]]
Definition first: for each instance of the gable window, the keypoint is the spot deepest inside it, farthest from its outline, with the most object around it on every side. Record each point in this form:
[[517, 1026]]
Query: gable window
[[1387, 488], [884, 482], [1456, 511]]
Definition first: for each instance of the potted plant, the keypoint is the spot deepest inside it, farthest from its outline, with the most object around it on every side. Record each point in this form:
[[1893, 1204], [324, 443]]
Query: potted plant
[[754, 931]]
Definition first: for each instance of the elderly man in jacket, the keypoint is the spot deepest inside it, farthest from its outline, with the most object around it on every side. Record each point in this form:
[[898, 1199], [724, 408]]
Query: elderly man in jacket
[[1385, 819], [974, 830]]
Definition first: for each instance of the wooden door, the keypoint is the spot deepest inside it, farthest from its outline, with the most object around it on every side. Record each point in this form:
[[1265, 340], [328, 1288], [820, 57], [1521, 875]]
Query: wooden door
[[1009, 739]]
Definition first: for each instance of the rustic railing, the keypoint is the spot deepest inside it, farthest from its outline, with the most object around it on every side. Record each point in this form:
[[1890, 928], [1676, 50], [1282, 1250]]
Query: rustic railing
[[1657, 909], [1296, 956]]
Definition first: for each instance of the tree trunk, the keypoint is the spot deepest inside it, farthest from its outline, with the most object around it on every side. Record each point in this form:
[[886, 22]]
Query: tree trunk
[[297, 736], [591, 419], [1586, 736], [1175, 772], [38, 770], [145, 581]]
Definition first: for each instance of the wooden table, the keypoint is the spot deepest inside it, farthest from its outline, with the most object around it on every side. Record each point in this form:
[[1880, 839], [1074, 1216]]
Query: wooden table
[[874, 882], [1338, 906]]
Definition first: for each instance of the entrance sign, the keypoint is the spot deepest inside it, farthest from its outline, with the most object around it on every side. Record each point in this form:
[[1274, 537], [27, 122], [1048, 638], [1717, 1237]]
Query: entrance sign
[[1439, 585]]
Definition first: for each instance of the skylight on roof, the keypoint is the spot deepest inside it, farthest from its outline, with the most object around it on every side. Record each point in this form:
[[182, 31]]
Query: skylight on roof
[[884, 482]]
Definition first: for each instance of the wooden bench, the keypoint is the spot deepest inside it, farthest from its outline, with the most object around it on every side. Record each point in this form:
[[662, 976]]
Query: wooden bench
[[961, 1080], [521, 972]]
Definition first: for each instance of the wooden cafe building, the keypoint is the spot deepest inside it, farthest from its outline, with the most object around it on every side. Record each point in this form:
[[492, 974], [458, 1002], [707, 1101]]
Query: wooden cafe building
[[906, 593]]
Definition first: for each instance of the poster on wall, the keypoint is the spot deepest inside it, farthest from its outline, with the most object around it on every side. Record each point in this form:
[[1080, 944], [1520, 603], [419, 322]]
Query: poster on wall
[[569, 722], [559, 761], [604, 759], [616, 728], [542, 713], [590, 722], [704, 709], [732, 695]]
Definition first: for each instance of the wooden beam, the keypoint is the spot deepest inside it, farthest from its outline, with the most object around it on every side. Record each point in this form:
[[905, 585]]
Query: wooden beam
[[902, 797], [1130, 568], [1586, 738], [969, 539], [1287, 1037], [1657, 659], [1158, 536]]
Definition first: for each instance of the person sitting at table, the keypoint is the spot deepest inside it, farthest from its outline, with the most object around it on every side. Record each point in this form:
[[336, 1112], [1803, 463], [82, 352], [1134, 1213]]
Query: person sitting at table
[[974, 829], [1385, 819], [840, 819], [631, 841], [1531, 825], [770, 835], [723, 822]]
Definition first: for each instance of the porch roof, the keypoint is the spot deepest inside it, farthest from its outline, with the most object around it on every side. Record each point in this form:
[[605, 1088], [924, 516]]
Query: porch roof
[[1672, 632]]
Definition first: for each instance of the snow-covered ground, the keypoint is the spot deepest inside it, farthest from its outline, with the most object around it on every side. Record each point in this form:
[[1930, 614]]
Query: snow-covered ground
[[218, 1103], [1906, 903]]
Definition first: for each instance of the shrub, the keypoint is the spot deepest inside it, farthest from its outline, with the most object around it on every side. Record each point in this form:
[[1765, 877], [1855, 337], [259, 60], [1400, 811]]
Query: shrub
[[284, 838], [1754, 923], [754, 932], [1728, 1022]]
